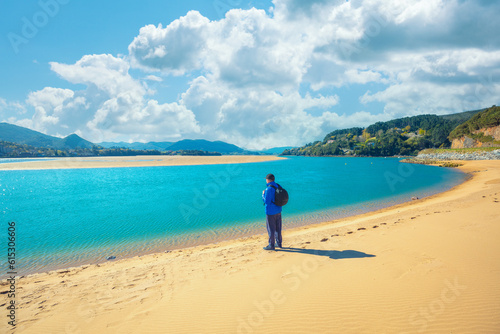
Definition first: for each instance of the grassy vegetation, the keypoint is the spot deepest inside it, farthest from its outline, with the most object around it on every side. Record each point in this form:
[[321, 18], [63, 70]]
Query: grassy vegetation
[[433, 162], [450, 164]]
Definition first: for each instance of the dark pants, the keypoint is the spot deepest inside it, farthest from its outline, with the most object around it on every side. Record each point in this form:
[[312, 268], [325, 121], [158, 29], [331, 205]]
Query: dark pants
[[273, 223]]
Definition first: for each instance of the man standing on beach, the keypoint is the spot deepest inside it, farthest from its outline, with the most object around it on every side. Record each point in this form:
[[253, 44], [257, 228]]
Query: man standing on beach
[[273, 213]]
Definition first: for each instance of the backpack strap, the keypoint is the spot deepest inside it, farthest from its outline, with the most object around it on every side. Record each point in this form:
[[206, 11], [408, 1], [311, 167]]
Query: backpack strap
[[275, 188]]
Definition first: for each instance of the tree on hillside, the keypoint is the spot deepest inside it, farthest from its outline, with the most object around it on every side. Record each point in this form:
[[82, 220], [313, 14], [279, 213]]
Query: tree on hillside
[[366, 135]]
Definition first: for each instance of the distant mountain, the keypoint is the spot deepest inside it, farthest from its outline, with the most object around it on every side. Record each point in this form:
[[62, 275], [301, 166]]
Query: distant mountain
[[205, 145], [186, 144], [160, 146], [74, 141], [276, 150], [20, 135], [461, 116], [17, 134], [109, 144]]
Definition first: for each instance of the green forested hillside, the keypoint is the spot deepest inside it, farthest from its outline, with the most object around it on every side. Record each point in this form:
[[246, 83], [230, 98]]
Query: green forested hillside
[[484, 119], [402, 136]]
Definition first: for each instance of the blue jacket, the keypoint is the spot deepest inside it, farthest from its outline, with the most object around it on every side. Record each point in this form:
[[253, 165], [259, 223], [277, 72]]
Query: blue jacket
[[268, 198]]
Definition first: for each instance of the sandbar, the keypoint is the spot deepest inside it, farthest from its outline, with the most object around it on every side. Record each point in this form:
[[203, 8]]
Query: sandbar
[[134, 161]]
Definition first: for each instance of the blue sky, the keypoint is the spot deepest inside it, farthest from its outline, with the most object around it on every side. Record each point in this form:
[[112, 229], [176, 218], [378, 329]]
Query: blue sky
[[257, 73], [79, 28]]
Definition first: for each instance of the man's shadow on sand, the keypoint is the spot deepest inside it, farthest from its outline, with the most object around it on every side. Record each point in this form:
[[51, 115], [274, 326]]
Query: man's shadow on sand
[[332, 254]]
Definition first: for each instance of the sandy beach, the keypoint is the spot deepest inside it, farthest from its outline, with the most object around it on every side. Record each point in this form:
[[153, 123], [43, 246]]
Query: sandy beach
[[134, 161], [427, 266]]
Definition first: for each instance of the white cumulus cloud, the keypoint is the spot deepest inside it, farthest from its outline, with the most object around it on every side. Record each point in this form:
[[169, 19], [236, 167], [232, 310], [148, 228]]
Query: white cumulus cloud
[[176, 48], [113, 105]]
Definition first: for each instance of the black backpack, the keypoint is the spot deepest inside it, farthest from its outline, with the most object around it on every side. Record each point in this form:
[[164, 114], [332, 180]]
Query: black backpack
[[280, 195]]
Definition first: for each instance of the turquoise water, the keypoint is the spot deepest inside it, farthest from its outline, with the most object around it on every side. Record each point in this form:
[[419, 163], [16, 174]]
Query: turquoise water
[[68, 217]]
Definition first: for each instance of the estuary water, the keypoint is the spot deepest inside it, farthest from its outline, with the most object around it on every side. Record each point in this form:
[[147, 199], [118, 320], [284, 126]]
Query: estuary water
[[70, 217]]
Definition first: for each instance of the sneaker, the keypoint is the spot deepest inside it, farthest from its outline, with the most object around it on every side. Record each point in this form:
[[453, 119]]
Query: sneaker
[[269, 247]]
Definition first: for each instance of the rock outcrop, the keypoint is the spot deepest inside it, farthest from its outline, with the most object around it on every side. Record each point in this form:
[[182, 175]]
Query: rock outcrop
[[467, 142], [493, 131]]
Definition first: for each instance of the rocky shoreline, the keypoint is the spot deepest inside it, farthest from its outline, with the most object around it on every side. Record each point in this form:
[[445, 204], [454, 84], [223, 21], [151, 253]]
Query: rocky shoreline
[[476, 155]]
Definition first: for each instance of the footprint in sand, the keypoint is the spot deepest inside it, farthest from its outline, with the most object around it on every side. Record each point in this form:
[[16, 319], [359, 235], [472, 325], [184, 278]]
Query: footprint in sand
[[307, 242], [413, 217], [383, 223], [350, 232], [361, 229], [335, 235], [374, 226], [324, 239]]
